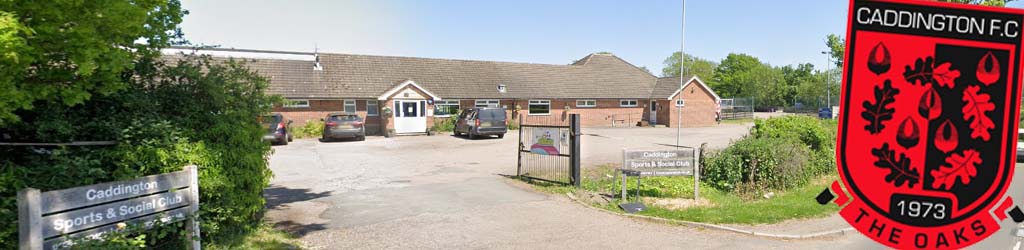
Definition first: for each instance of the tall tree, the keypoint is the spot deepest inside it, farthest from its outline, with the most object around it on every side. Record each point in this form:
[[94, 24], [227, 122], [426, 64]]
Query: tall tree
[[836, 48], [703, 68], [66, 51], [745, 76]]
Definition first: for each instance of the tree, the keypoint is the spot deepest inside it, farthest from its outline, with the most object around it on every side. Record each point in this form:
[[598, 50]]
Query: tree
[[742, 75], [702, 68], [794, 77], [836, 44], [836, 48], [67, 51]]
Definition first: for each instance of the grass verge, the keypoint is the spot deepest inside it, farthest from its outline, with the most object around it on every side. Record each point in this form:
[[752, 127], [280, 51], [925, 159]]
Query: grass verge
[[264, 238], [716, 207]]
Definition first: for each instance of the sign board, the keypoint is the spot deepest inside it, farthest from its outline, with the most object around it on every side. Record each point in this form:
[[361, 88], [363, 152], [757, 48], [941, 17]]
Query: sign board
[[677, 162], [52, 220], [659, 162], [928, 122], [548, 141]]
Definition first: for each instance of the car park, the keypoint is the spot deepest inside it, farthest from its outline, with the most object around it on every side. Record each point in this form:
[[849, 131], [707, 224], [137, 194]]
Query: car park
[[344, 126], [476, 122], [278, 129]]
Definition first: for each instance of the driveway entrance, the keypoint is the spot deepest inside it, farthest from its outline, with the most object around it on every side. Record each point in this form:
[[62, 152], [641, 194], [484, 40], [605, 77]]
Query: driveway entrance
[[445, 192]]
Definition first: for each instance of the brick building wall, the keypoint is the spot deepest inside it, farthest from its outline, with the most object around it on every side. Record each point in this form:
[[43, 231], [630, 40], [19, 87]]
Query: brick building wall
[[318, 109], [606, 111], [698, 111]]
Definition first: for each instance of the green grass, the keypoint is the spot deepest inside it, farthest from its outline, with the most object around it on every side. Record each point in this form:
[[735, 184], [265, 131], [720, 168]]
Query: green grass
[[724, 208], [265, 238], [731, 209]]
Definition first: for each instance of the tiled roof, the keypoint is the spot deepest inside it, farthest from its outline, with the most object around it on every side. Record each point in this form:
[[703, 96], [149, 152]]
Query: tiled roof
[[364, 76], [666, 86]]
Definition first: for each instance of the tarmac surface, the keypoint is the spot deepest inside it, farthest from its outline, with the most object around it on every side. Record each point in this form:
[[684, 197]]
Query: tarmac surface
[[445, 192]]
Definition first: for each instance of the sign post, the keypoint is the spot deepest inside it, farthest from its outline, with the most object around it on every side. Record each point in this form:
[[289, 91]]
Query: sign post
[[928, 122], [53, 219], [678, 162]]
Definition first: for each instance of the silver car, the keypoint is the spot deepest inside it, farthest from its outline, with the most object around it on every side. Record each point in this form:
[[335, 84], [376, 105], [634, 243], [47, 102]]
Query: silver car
[[344, 125]]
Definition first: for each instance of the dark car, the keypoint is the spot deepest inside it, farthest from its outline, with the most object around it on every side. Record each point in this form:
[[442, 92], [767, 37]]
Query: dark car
[[476, 122], [278, 130], [344, 126]]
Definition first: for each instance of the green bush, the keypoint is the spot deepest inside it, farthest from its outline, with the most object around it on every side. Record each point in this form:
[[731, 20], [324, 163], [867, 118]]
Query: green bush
[[787, 150], [444, 125], [192, 112], [513, 125], [312, 129], [758, 163]]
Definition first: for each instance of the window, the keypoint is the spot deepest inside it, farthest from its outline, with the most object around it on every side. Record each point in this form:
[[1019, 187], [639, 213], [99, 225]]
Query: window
[[296, 103], [540, 107], [487, 103], [446, 108], [372, 109], [680, 103], [350, 106], [586, 103], [627, 103]]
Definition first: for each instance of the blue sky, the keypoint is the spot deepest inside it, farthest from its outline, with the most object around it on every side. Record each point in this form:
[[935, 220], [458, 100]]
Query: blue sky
[[536, 31]]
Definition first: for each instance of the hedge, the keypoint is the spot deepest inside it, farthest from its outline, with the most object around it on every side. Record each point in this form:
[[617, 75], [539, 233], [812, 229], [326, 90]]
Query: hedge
[[778, 154], [193, 111]]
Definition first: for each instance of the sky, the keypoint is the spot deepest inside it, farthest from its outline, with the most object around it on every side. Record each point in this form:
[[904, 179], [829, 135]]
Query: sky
[[536, 31]]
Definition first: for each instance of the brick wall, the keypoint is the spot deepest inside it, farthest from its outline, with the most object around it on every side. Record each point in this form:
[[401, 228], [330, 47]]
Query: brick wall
[[699, 109], [318, 109], [602, 115]]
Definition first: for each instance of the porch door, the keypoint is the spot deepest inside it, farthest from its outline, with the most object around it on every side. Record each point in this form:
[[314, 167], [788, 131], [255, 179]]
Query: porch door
[[653, 118], [410, 116]]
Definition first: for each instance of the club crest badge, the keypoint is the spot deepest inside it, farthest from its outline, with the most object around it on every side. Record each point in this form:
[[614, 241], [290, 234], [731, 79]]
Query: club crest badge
[[928, 122]]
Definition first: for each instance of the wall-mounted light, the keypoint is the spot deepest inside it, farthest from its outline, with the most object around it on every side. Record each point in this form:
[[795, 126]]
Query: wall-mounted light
[[502, 88]]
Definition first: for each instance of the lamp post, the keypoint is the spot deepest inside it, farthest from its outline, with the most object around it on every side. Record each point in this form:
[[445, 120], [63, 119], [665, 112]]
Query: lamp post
[[682, 67], [828, 80]]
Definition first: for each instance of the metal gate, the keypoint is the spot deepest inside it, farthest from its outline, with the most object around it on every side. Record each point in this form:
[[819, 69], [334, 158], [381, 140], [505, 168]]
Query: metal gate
[[550, 150]]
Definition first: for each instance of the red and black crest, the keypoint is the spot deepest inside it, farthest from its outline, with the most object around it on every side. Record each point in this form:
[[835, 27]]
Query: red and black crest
[[928, 123]]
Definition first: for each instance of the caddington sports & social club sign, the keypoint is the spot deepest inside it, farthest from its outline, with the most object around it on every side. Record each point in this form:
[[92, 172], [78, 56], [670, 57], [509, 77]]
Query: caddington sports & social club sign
[[928, 122]]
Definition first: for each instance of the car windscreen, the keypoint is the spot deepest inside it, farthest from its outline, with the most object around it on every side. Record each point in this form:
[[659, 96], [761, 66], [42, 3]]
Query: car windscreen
[[492, 115], [270, 119], [344, 118]]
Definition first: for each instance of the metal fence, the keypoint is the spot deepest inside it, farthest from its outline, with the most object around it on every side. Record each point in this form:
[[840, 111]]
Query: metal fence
[[737, 108], [549, 151]]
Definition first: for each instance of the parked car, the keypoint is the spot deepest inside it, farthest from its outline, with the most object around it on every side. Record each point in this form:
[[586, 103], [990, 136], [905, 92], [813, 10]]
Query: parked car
[[278, 130], [474, 122], [1020, 145], [343, 126]]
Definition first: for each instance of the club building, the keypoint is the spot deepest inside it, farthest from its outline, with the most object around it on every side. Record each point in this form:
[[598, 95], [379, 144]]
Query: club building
[[407, 95]]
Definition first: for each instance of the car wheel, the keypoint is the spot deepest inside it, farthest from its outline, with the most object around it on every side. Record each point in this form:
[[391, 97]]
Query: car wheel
[[456, 133], [290, 137], [284, 142], [501, 136], [362, 138], [471, 136]]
